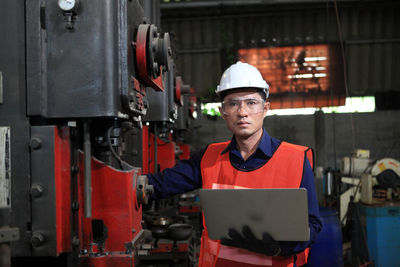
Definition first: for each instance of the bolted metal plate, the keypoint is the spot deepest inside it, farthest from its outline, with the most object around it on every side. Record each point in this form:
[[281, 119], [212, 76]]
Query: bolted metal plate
[[44, 226]]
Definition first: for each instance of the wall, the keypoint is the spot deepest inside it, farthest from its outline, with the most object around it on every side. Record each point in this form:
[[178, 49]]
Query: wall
[[330, 135]]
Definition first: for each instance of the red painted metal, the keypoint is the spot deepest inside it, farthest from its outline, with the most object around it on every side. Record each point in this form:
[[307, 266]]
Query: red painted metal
[[140, 91], [117, 260], [192, 104], [62, 174], [164, 245], [165, 150], [142, 44], [114, 202], [189, 209], [185, 148], [178, 91], [166, 153], [157, 83], [141, 49], [146, 151]]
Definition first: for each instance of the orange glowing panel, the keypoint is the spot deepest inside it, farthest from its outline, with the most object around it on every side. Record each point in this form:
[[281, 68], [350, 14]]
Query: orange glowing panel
[[300, 76]]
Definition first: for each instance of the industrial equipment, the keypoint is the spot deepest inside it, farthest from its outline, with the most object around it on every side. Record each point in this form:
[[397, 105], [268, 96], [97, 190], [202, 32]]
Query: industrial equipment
[[371, 182], [76, 82], [370, 208], [351, 170]]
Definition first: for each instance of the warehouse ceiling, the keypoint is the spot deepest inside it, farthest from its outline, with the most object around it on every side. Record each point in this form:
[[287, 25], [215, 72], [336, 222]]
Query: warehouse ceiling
[[210, 35]]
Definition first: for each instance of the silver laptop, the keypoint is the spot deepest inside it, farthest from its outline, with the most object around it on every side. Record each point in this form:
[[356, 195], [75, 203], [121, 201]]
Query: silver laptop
[[283, 213]]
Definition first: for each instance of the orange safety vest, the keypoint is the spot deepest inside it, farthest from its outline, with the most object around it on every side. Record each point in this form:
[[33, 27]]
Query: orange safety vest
[[283, 170]]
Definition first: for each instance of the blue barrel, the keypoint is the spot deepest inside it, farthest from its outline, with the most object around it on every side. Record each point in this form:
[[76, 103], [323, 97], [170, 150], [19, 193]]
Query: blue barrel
[[327, 248]]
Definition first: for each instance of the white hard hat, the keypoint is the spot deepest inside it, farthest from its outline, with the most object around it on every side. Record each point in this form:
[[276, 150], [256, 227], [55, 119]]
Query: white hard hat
[[242, 75]]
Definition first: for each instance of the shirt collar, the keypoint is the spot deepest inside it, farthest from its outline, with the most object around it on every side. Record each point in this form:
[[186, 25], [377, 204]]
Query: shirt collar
[[264, 145]]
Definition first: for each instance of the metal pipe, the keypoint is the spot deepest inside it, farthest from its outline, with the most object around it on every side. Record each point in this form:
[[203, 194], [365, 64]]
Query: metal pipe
[[329, 183], [87, 169], [209, 4], [371, 41], [151, 10], [155, 148], [199, 51]]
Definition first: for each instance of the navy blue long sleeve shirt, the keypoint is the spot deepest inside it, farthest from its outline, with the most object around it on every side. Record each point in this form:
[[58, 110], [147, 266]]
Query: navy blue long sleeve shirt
[[186, 176]]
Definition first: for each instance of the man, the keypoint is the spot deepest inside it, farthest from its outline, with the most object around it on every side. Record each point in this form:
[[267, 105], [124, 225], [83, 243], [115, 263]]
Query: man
[[252, 159]]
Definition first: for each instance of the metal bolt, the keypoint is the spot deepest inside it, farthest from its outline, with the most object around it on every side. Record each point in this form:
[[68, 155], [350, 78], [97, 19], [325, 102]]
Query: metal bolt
[[37, 239], [135, 152], [36, 190], [35, 143], [74, 169], [133, 230], [75, 241], [75, 206]]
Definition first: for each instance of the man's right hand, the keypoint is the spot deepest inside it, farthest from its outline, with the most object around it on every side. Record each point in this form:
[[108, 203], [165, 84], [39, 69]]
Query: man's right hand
[[267, 246]]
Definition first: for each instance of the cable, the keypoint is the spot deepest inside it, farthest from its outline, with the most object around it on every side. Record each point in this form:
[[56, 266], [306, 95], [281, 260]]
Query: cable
[[331, 96], [358, 187], [344, 69], [389, 151], [112, 149]]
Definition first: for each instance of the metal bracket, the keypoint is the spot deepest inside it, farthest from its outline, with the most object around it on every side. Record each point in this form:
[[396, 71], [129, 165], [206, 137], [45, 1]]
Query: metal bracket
[[143, 189], [70, 18], [5, 167], [137, 101], [9, 234], [138, 243]]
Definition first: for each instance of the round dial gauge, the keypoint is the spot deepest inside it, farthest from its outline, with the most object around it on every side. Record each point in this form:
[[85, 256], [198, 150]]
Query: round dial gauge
[[66, 5]]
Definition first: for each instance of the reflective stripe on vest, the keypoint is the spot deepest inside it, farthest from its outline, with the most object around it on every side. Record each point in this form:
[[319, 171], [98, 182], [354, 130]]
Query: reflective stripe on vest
[[283, 170]]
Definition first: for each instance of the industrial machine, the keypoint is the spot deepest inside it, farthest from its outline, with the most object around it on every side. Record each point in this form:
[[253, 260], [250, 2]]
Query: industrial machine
[[77, 79], [173, 241], [370, 208], [162, 129], [365, 194], [370, 182]]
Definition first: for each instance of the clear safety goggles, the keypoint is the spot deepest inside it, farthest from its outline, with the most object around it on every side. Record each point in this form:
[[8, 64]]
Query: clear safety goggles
[[251, 105]]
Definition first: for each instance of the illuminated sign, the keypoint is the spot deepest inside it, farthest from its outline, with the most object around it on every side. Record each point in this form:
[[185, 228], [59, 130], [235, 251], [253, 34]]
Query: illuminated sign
[[300, 76]]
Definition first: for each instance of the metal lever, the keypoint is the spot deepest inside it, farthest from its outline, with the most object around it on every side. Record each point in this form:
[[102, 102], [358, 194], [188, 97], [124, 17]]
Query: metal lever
[[143, 189]]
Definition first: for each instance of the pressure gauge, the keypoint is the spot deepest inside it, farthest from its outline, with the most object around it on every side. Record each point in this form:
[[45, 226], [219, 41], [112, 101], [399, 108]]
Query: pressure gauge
[[67, 5]]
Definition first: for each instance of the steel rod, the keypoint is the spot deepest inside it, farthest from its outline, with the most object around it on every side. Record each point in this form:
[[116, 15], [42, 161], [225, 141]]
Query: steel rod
[[87, 169]]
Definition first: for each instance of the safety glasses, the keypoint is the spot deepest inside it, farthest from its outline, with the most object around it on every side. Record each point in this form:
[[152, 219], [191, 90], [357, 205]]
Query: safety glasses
[[251, 105]]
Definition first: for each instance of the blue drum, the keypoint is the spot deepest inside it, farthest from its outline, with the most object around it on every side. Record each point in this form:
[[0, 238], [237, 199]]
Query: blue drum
[[327, 248]]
